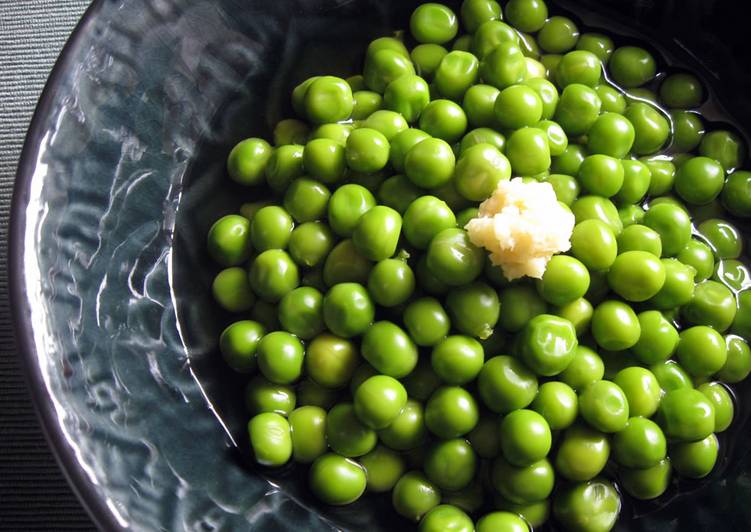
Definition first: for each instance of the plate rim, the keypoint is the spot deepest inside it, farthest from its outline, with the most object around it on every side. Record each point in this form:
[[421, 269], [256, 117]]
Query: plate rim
[[94, 505]]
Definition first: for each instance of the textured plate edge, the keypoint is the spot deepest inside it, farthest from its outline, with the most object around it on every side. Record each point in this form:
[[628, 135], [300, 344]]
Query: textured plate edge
[[95, 506]]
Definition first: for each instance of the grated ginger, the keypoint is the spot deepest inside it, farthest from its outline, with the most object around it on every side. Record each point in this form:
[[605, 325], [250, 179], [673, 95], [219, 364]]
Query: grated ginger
[[522, 226]]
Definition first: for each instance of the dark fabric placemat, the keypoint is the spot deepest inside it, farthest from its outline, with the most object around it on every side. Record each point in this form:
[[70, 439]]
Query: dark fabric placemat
[[34, 495]]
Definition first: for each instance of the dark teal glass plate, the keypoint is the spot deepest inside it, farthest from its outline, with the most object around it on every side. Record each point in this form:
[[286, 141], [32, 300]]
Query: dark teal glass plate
[[123, 172]]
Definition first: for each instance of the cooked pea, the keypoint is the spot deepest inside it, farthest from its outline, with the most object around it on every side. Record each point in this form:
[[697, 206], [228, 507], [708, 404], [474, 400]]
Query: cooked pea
[[231, 289], [379, 400], [641, 444], [389, 349], [636, 275], [474, 309], [348, 309], [451, 412], [502, 522], [450, 464], [273, 274], [722, 402], [430, 163], [426, 321], [593, 506], [457, 359], [699, 256], [238, 343], [585, 368], [582, 453], [671, 376], [330, 361], [565, 280], [446, 517], [557, 403], [388, 123], [527, 15], [686, 415], [695, 459], [479, 170], [736, 195], [522, 485], [414, 495], [566, 187], [658, 340], [391, 282], [725, 147], [688, 130], [594, 243], [504, 65], [682, 91], [407, 430], [310, 243], [247, 161], [597, 208], [270, 439], [290, 131], [738, 363], [631, 214], [479, 105], [308, 432], [615, 326], [525, 437], [649, 483], [301, 312], [337, 480], [520, 304], [229, 240], [453, 259], [713, 304], [673, 225], [426, 217], [427, 57], [604, 406], [384, 66], [701, 351], [578, 109], [377, 233], [547, 344], [344, 264], [528, 151], [365, 103]]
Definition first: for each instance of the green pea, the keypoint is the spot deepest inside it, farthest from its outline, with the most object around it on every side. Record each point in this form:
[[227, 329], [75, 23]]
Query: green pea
[[453, 259], [430, 163], [308, 432], [592, 506], [597, 208], [736, 195], [346, 434], [391, 282], [647, 483], [503, 66], [346, 206], [658, 340], [632, 67], [249, 209], [600, 45], [476, 12], [306, 200], [386, 43], [383, 468], [699, 180], [695, 459], [615, 326], [520, 304], [640, 238], [414, 495], [702, 351], [527, 15], [742, 322], [518, 106], [270, 439], [723, 237], [273, 274], [407, 95], [287, 164], [636, 275], [557, 140], [673, 225], [662, 175], [688, 130], [732, 273], [612, 101], [450, 464], [641, 444], [377, 233], [451, 412], [474, 309], [528, 151], [611, 134], [585, 368], [722, 402], [725, 147], [427, 57], [388, 123], [558, 35], [469, 499], [301, 312], [631, 214], [522, 485], [525, 438], [594, 243], [580, 67], [636, 181], [290, 131], [433, 23], [738, 363], [348, 309], [426, 217], [601, 175], [367, 150], [310, 243], [651, 128], [578, 109], [578, 312], [565, 279], [229, 240], [699, 256], [426, 321], [671, 376], [713, 304], [298, 95], [231, 289], [547, 344], [271, 228], [444, 120], [280, 357], [384, 66], [479, 105], [446, 517], [325, 160], [379, 400], [457, 359], [464, 216], [345, 264], [479, 170], [330, 361], [389, 349], [238, 343], [582, 453], [548, 94], [566, 187], [557, 403], [427, 280], [328, 99], [502, 522], [264, 396], [365, 103], [337, 480], [336, 132], [407, 430], [604, 406], [456, 73], [681, 91], [505, 384], [485, 437], [265, 313], [686, 415], [247, 161], [568, 162]]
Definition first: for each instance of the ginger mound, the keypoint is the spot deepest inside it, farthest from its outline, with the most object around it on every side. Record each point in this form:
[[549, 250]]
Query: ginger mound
[[522, 226]]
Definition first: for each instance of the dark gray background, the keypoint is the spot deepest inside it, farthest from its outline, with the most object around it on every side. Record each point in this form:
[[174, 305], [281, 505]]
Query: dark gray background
[[33, 492]]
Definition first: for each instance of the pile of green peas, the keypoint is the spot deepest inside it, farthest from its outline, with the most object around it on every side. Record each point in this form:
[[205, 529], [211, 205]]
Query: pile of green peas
[[388, 353]]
